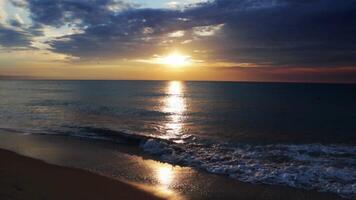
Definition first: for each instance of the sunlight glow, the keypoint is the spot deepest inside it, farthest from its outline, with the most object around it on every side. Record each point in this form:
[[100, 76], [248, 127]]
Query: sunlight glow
[[175, 59], [165, 175]]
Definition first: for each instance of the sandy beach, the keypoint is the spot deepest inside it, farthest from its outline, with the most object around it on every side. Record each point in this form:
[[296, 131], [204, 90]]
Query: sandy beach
[[23, 175], [25, 178]]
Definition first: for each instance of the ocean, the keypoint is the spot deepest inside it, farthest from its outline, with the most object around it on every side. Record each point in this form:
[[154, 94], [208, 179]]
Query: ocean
[[291, 134]]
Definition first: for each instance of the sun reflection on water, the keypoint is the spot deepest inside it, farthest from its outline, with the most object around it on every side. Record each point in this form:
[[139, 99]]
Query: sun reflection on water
[[175, 105], [165, 176], [166, 179]]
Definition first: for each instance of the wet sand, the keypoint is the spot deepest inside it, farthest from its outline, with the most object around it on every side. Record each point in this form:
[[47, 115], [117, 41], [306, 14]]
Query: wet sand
[[25, 178], [119, 162]]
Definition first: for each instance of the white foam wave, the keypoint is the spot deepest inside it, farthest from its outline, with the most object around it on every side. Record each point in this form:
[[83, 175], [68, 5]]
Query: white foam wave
[[327, 168]]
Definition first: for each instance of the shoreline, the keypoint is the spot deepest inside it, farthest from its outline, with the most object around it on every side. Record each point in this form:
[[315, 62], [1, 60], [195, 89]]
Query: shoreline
[[27, 178], [128, 164]]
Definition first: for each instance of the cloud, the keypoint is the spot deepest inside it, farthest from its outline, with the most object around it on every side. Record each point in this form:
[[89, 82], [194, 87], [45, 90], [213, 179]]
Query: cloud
[[126, 35], [282, 33], [86, 12], [207, 30], [10, 38], [177, 34], [260, 32]]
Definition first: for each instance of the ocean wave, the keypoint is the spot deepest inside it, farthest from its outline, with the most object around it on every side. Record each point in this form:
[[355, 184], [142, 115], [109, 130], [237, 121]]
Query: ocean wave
[[326, 168]]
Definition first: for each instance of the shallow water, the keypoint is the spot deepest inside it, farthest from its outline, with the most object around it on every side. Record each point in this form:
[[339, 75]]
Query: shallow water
[[299, 135], [129, 163]]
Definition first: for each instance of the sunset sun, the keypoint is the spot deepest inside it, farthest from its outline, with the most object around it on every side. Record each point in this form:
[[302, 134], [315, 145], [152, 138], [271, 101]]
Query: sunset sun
[[175, 59]]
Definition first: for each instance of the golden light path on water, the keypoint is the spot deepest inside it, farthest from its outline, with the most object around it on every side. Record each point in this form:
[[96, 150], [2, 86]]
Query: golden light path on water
[[175, 105]]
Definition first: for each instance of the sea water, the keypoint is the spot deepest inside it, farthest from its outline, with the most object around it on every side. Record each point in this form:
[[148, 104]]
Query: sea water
[[299, 135]]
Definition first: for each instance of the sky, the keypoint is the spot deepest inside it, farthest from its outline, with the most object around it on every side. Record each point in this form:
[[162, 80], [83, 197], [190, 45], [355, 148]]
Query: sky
[[226, 40]]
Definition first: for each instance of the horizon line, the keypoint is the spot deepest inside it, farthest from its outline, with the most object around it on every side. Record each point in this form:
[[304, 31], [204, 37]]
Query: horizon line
[[28, 78]]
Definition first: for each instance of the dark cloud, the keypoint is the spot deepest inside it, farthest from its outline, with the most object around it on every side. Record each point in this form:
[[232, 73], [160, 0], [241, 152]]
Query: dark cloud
[[11, 38], [88, 12], [261, 32], [15, 23], [130, 34], [287, 32]]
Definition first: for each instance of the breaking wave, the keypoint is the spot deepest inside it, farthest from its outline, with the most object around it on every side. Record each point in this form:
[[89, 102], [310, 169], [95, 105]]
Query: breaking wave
[[326, 168]]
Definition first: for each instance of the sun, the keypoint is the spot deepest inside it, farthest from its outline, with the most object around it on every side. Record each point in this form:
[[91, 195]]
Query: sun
[[175, 59]]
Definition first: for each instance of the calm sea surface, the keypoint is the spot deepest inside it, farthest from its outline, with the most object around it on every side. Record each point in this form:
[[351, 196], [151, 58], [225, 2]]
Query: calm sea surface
[[300, 135]]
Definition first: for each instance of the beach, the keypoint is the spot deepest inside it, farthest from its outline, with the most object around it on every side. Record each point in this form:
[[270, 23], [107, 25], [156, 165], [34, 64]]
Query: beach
[[25, 178], [82, 169]]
